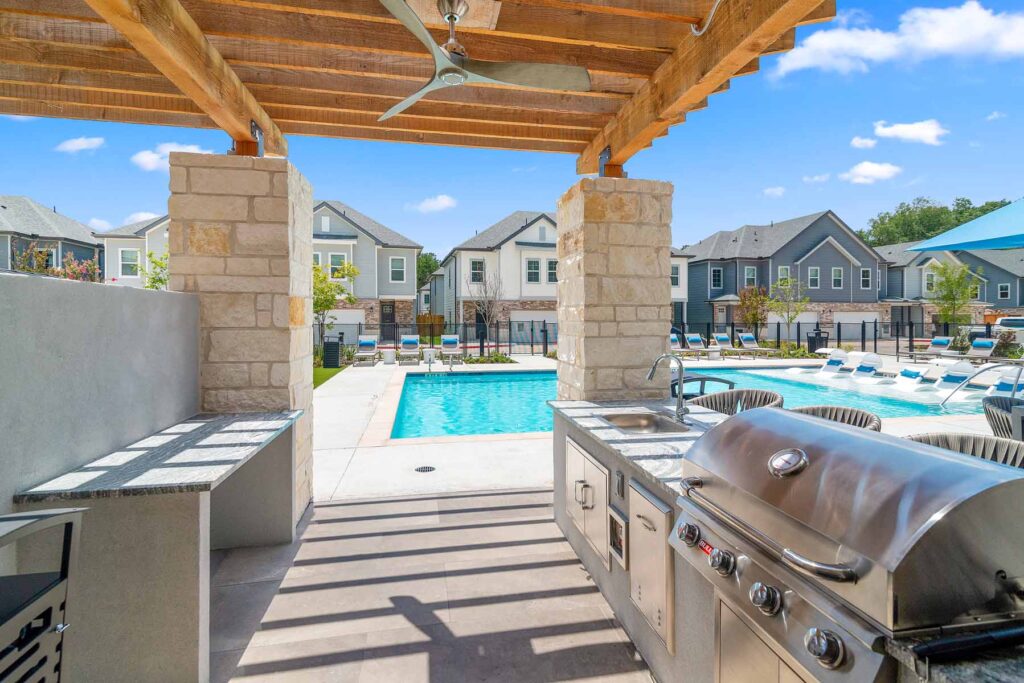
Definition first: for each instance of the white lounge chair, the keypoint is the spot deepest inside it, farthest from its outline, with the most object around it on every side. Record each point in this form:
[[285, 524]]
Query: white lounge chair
[[1004, 386], [723, 344], [832, 365], [869, 371], [451, 348], [937, 347], [409, 348], [912, 379], [674, 343], [366, 348], [694, 345], [749, 343], [981, 349], [953, 376]]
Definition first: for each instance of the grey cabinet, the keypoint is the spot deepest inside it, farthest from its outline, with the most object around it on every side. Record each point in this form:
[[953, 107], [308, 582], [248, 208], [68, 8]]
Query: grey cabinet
[[586, 497], [652, 575], [744, 658]]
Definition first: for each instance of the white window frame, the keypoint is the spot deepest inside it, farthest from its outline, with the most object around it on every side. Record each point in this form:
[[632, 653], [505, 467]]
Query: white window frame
[[316, 258], [814, 272], [120, 262], [781, 270], [862, 272], [331, 266], [976, 287], [55, 257], [746, 276], [674, 273], [325, 223], [549, 272], [526, 271], [878, 279], [928, 285], [842, 279], [999, 291], [472, 273], [542, 232], [391, 270], [721, 278]]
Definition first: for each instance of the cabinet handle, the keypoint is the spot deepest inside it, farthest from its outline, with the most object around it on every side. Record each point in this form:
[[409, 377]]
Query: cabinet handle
[[576, 491], [647, 523], [584, 501]]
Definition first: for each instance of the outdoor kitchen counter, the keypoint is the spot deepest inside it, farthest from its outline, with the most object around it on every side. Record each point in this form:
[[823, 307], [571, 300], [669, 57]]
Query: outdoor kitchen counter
[[1005, 665]]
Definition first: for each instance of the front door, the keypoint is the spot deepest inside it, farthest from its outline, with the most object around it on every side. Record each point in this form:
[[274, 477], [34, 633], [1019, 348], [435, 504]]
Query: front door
[[387, 321]]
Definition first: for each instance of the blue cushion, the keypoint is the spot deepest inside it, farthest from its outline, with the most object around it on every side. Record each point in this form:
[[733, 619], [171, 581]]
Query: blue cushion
[[366, 344], [953, 378], [983, 344], [912, 374], [447, 341], [1008, 386], [834, 362], [694, 339], [674, 338], [723, 339], [747, 337], [940, 341], [867, 368]]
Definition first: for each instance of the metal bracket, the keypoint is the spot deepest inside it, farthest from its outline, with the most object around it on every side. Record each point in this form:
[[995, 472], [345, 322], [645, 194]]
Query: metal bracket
[[257, 135], [602, 161]]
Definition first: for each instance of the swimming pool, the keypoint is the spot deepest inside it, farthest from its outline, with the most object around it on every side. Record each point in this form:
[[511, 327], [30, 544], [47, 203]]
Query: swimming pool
[[462, 403]]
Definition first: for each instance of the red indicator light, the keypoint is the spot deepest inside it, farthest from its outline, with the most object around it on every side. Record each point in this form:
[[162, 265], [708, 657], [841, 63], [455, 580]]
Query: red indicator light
[[705, 547]]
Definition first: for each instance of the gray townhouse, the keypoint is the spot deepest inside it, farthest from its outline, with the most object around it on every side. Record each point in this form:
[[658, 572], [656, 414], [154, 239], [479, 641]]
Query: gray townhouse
[[126, 250], [911, 281], [843, 277], [24, 221]]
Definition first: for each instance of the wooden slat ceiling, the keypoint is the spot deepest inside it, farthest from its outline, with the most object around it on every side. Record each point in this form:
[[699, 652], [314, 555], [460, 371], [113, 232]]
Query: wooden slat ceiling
[[331, 67]]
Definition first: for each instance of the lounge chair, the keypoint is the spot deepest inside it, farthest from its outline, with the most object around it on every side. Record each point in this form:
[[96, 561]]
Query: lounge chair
[[451, 348], [855, 417], [994, 448], [981, 349], [938, 346], [366, 348], [723, 344], [868, 371], [1004, 385], [999, 414], [409, 347], [953, 376], [749, 343], [675, 345], [836, 359], [912, 379], [737, 400], [694, 345]]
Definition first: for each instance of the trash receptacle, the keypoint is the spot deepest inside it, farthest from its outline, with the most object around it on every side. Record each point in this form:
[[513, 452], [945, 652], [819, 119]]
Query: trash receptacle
[[817, 339], [332, 352]]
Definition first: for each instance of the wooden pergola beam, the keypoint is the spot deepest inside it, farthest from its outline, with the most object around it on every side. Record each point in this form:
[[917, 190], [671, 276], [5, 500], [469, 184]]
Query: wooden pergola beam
[[740, 32], [164, 33]]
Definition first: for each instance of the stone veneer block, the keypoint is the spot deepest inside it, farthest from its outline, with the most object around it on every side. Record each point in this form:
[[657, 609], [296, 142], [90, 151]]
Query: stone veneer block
[[614, 294], [239, 237]]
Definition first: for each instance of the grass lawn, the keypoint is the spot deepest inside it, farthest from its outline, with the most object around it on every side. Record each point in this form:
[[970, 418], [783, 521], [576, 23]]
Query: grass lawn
[[321, 375]]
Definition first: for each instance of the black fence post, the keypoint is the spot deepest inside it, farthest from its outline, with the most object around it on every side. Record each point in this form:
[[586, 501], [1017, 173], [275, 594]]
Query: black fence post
[[708, 335], [839, 335], [899, 325], [531, 339], [778, 334], [945, 329], [863, 335], [798, 335], [988, 330], [732, 332], [874, 337], [544, 338]]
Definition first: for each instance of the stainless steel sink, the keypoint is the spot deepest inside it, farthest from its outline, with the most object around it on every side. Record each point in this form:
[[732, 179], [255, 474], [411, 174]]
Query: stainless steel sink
[[644, 423]]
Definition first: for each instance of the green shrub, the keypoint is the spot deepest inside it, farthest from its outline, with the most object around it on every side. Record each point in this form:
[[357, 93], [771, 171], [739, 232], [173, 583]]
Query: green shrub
[[494, 357]]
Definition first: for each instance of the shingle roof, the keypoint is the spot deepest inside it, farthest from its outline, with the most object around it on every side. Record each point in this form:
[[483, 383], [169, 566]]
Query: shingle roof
[[897, 254], [503, 230], [1010, 260], [385, 236], [136, 229], [28, 217], [751, 241]]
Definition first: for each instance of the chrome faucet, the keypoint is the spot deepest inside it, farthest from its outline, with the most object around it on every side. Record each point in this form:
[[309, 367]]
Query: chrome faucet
[[681, 409]]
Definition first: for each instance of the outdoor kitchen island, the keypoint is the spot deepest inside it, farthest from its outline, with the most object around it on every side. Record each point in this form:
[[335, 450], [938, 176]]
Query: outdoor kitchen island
[[617, 481]]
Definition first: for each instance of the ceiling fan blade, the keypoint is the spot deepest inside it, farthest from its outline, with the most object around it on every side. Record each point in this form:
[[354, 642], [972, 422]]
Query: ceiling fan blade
[[400, 10], [525, 74], [434, 84]]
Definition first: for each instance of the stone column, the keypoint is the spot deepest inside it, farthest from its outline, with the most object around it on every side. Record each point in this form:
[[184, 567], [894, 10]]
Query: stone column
[[240, 237], [614, 293]]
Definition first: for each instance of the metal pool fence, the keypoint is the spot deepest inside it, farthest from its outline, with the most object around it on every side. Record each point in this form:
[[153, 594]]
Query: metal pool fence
[[534, 337]]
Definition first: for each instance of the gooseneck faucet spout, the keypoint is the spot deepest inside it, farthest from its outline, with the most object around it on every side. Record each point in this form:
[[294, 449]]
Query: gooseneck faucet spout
[[681, 409]]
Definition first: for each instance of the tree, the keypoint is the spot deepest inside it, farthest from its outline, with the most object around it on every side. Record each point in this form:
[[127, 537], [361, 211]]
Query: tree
[[923, 218], [426, 264], [156, 276], [788, 301], [487, 296], [752, 309], [955, 286], [327, 291]]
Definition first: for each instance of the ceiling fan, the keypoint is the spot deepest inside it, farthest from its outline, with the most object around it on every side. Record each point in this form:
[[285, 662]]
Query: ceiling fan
[[453, 67]]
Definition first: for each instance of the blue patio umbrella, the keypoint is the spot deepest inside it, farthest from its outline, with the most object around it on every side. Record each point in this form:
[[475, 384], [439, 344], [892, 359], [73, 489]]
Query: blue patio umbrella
[[999, 229]]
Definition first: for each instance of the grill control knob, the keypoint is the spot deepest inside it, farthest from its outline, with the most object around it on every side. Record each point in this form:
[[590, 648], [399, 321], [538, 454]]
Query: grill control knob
[[722, 561], [826, 647], [768, 599], [689, 534]]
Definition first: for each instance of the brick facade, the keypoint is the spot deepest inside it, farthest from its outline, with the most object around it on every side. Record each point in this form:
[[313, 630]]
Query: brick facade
[[506, 307], [405, 310]]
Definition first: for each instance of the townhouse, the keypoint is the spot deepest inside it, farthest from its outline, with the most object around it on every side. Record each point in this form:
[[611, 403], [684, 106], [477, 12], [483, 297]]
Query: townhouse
[[24, 221], [126, 250]]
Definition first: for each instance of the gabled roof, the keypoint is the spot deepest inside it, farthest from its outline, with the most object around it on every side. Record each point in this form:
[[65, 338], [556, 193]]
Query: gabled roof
[[897, 254], [504, 230], [385, 237], [136, 229], [1010, 260], [28, 217]]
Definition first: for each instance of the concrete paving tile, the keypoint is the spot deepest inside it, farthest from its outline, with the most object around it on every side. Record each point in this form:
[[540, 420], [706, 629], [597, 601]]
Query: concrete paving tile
[[327, 660], [328, 467], [337, 517], [236, 612]]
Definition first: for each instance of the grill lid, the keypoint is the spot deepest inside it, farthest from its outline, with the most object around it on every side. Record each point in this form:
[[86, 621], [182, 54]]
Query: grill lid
[[874, 518]]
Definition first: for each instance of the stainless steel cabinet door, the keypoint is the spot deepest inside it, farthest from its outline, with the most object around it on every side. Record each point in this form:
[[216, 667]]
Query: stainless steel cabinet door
[[595, 507], [652, 577], [574, 482], [742, 656]]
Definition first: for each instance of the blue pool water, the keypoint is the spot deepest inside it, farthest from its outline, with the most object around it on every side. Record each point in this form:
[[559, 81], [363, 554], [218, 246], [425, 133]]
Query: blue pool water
[[466, 403], [462, 403]]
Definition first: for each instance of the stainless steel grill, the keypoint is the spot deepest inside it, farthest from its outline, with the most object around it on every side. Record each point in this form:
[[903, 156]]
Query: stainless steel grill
[[830, 537]]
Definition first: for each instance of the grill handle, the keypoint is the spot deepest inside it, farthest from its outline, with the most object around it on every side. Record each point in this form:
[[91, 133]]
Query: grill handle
[[833, 572]]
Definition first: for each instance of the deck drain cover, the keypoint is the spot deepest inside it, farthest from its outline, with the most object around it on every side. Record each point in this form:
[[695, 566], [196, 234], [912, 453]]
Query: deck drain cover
[[425, 468]]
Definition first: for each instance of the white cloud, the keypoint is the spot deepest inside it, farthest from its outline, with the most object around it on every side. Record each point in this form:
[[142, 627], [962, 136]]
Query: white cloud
[[863, 143], [869, 172], [19, 117], [157, 159], [774, 192], [820, 178], [441, 202], [76, 145], [995, 116], [970, 30], [99, 224], [140, 216], [927, 132]]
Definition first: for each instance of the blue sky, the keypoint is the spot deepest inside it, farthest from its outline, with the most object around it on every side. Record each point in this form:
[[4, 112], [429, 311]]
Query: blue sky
[[946, 79]]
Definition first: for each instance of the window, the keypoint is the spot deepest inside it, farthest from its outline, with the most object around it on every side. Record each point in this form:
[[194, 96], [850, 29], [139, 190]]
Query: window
[[532, 270], [750, 276], [813, 277], [878, 279], [325, 223], [1004, 290], [783, 273], [129, 261], [837, 278], [674, 277], [865, 278], [542, 231], [716, 278], [396, 264], [476, 271], [316, 258], [552, 270], [338, 261], [929, 282], [426, 299], [976, 290]]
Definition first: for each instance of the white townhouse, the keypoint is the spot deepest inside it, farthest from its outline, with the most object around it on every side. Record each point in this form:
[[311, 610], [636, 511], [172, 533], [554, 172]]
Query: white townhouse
[[126, 249]]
